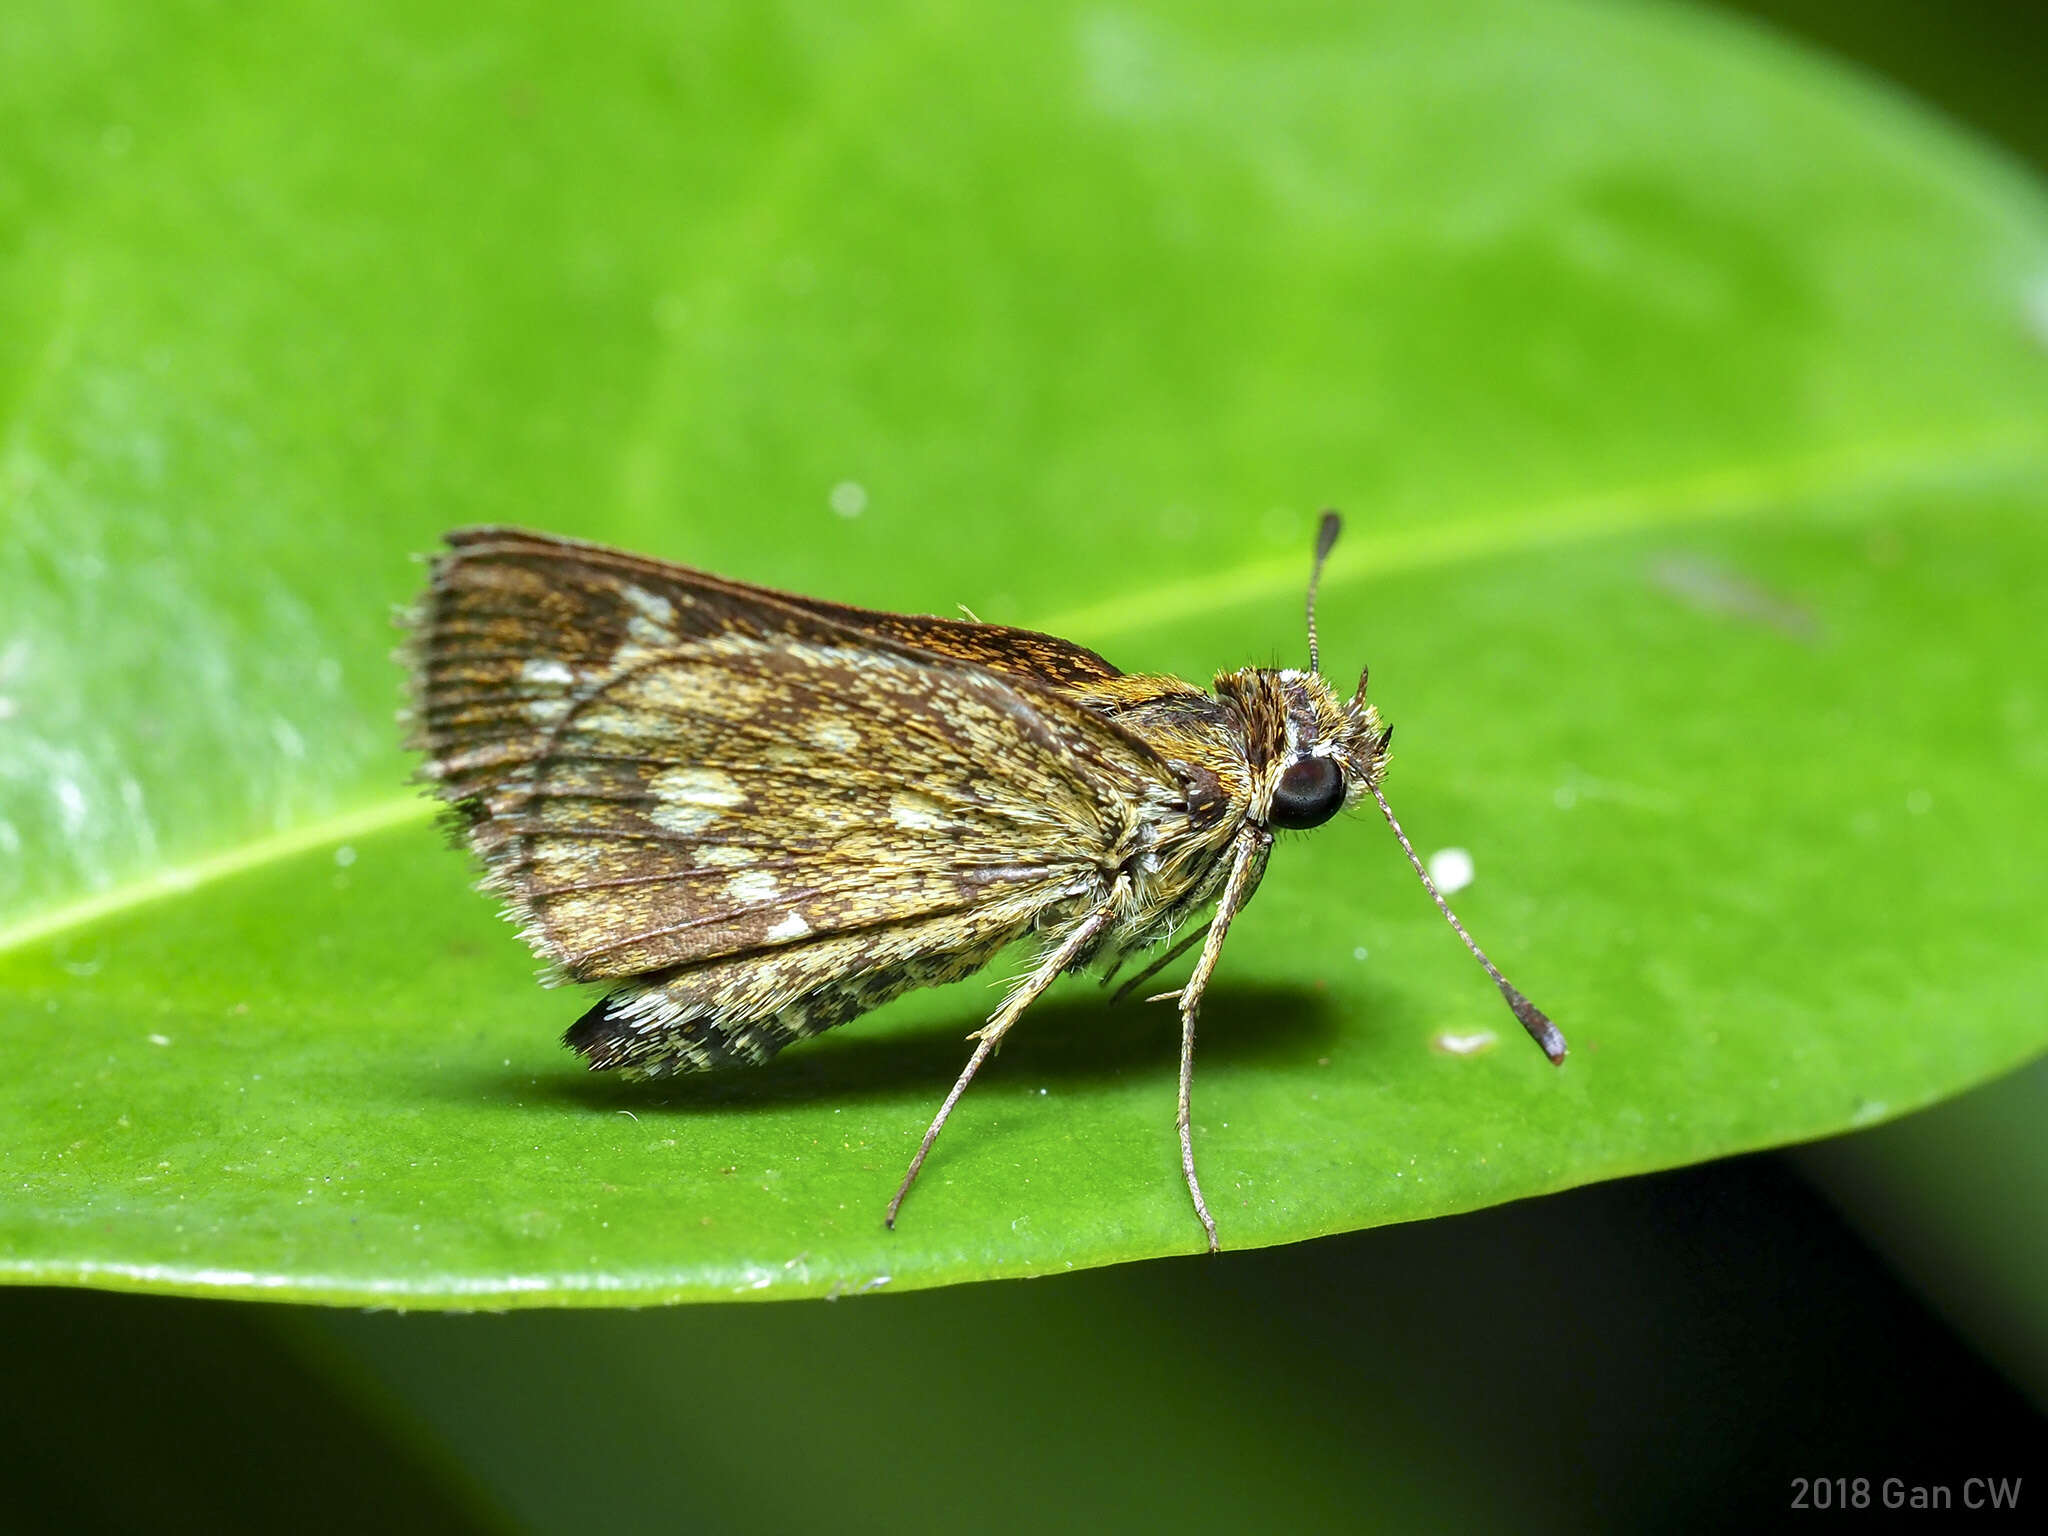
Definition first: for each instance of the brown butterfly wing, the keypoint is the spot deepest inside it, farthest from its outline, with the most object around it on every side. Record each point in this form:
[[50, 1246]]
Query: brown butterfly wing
[[663, 769], [717, 602]]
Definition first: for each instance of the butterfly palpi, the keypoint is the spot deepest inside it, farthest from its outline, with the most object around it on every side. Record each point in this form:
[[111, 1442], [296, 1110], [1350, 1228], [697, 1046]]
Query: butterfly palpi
[[755, 816]]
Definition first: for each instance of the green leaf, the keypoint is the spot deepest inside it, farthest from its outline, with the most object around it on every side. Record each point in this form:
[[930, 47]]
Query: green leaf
[[1690, 400]]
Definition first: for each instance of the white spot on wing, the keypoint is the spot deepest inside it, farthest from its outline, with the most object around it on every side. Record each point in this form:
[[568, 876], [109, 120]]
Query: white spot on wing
[[546, 672], [692, 798], [833, 735], [913, 812], [654, 608], [849, 498], [791, 927], [724, 856], [698, 786], [685, 819], [624, 724], [752, 885]]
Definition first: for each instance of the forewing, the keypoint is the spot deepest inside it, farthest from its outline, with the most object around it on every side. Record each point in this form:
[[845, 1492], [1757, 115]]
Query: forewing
[[660, 771], [1020, 653], [584, 577]]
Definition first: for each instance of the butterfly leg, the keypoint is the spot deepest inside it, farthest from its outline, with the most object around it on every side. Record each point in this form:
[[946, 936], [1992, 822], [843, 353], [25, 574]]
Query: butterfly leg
[[1187, 942], [1245, 872], [991, 1034]]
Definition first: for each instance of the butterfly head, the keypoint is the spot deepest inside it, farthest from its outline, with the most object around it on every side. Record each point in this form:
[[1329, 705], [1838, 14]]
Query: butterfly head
[[1310, 752]]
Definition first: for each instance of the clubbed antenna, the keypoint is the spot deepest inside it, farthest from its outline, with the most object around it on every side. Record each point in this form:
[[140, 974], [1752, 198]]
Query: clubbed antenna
[[1533, 1019], [1326, 540]]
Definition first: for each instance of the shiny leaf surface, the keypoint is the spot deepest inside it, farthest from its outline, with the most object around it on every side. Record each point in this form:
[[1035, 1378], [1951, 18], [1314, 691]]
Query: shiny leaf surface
[[1690, 402]]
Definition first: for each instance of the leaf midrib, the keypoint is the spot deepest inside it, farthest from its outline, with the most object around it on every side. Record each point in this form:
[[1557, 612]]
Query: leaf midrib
[[1717, 495]]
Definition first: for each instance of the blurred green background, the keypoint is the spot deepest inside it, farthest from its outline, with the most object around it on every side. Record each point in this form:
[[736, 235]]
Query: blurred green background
[[1670, 1351]]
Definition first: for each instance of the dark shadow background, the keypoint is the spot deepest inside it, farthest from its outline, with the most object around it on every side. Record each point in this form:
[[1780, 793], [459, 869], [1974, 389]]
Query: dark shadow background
[[1075, 1037], [1667, 1353]]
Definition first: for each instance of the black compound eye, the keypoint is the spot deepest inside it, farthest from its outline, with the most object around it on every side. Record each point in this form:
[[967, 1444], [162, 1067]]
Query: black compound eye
[[1311, 791]]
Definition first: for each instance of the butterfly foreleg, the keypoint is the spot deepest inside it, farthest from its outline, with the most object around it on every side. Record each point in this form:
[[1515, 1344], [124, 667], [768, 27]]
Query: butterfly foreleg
[[1070, 948]]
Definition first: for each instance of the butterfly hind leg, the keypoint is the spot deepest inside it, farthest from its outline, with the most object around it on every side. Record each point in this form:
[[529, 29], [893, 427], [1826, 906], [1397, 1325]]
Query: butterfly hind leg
[[1062, 955]]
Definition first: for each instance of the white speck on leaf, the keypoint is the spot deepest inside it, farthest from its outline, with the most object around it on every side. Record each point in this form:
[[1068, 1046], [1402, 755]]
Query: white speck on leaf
[[1451, 869], [70, 806]]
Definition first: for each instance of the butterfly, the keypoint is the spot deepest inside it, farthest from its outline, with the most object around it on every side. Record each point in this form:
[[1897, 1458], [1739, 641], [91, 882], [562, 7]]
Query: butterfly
[[754, 816]]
